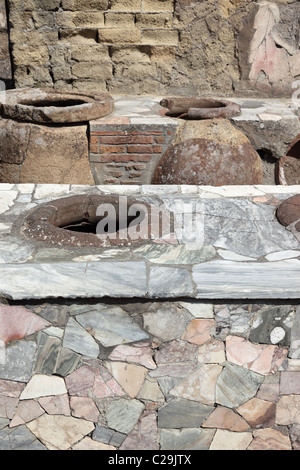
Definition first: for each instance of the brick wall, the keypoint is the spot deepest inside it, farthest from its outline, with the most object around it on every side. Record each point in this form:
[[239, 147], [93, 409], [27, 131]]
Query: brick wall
[[93, 45], [127, 154], [145, 46]]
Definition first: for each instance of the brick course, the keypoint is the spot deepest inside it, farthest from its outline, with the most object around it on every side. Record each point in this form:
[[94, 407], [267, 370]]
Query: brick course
[[125, 154]]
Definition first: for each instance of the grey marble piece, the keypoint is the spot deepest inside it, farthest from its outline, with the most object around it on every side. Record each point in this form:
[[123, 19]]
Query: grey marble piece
[[108, 278], [180, 413], [236, 385], [228, 279], [111, 326], [186, 439], [79, 340], [19, 361], [170, 282]]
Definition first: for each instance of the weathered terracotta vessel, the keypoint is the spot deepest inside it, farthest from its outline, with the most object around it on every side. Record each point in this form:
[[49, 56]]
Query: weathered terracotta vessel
[[43, 135], [288, 169], [209, 152]]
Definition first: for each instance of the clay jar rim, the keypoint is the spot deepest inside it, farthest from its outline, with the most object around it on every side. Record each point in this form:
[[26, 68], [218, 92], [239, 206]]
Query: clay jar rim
[[200, 108], [20, 104], [44, 223]]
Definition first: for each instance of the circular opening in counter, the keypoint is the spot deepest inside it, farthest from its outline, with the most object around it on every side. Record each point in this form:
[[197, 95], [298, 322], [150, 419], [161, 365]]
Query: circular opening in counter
[[46, 106], [89, 220], [199, 108], [56, 103]]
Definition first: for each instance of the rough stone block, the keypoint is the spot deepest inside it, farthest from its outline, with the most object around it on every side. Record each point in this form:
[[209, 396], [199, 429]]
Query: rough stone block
[[83, 5], [86, 19], [119, 35], [125, 5], [89, 53], [75, 36], [158, 5], [47, 5], [92, 69], [33, 55], [160, 36], [154, 20], [119, 19], [134, 54]]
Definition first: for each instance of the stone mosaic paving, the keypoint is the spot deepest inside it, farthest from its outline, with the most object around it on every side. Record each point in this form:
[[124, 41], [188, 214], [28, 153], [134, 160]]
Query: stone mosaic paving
[[242, 252], [173, 375]]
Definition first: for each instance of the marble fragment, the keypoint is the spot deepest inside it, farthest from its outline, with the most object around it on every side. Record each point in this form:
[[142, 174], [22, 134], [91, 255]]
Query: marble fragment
[[186, 439], [236, 385], [144, 435], [129, 376], [288, 410], [199, 331], [19, 438], [228, 440], [200, 385], [181, 413], [43, 385], [85, 408], [122, 415], [198, 309], [18, 322], [137, 354], [166, 323], [19, 361], [225, 418], [263, 359], [150, 390], [88, 444], [176, 351], [290, 383], [212, 352], [60, 432], [258, 413], [111, 326], [79, 340], [56, 405], [269, 439], [27, 410]]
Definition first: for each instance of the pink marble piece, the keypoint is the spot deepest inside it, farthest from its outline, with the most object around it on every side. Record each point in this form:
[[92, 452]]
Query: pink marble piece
[[18, 322], [261, 358]]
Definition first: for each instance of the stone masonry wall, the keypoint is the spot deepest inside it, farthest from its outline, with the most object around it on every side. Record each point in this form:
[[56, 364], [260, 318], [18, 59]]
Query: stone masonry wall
[[154, 376], [149, 46]]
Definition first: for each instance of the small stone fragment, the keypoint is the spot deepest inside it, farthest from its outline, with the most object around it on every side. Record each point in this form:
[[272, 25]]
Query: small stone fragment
[[198, 331], [258, 412], [269, 439], [228, 440], [43, 385], [224, 418], [60, 432]]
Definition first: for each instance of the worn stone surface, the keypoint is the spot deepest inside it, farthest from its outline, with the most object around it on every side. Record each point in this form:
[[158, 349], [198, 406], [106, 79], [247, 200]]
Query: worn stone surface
[[61, 153]]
